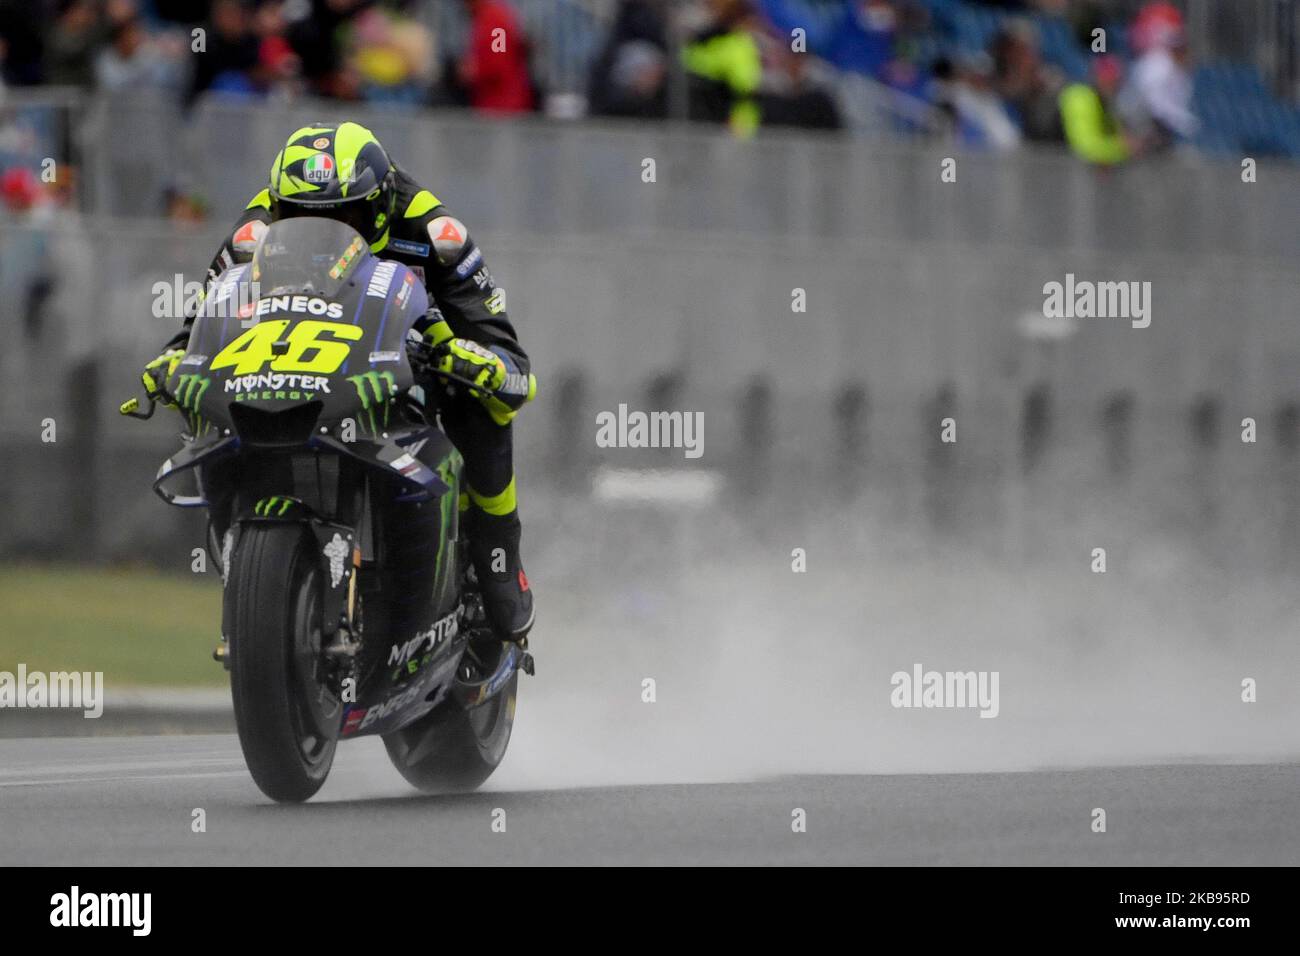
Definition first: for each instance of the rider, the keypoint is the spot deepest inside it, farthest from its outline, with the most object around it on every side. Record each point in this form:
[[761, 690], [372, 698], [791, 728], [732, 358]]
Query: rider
[[342, 172]]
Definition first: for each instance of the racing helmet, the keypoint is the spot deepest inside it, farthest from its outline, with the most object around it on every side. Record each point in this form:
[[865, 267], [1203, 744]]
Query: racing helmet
[[337, 172]]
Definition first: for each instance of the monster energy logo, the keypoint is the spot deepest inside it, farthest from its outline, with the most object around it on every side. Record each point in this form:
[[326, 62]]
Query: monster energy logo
[[189, 392], [274, 506], [375, 389]]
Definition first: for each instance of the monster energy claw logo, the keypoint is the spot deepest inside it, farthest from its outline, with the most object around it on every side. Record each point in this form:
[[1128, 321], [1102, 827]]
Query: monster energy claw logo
[[375, 389], [189, 391], [273, 506]]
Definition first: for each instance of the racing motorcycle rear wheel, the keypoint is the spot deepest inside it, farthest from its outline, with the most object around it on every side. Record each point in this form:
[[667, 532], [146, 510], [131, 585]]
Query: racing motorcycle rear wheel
[[453, 750], [286, 714]]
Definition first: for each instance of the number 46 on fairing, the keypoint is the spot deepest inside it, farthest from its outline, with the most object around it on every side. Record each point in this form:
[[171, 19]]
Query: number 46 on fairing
[[307, 351]]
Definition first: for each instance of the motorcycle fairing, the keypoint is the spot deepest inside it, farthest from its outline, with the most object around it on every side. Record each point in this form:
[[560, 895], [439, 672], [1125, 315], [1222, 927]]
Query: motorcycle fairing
[[285, 330]]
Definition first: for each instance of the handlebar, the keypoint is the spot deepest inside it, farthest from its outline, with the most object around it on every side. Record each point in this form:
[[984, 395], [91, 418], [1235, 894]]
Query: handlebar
[[459, 380]]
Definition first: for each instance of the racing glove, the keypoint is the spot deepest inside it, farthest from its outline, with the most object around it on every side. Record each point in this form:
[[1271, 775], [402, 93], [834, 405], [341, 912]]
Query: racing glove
[[156, 374], [469, 360], [500, 392]]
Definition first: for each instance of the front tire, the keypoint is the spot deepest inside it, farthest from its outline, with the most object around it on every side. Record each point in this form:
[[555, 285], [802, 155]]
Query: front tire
[[452, 750], [283, 708]]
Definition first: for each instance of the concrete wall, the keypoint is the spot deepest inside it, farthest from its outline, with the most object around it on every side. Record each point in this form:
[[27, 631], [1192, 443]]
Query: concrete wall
[[548, 178], [896, 337], [924, 300]]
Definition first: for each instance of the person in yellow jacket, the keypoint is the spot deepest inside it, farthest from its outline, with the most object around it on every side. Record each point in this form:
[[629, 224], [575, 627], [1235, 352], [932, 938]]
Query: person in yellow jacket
[[1094, 133], [725, 68]]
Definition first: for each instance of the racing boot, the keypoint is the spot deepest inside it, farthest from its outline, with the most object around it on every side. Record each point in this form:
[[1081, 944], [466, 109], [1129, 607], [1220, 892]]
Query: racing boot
[[494, 550]]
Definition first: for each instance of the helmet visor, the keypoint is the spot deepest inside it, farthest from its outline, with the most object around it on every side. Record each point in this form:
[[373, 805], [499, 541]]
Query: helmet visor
[[357, 213]]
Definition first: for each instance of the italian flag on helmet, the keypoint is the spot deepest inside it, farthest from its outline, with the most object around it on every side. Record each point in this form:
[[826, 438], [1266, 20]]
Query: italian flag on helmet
[[339, 172]]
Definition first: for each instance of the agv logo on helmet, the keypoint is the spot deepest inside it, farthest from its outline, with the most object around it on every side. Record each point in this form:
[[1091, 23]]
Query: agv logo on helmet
[[318, 168]]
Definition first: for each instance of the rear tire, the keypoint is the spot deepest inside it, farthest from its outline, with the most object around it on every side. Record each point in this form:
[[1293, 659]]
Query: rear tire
[[274, 586], [451, 750]]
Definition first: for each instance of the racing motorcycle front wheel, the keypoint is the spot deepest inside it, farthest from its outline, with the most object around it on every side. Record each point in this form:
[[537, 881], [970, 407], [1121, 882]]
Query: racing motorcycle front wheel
[[286, 714]]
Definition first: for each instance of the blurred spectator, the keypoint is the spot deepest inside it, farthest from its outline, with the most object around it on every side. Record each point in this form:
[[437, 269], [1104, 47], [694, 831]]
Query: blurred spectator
[[133, 60], [36, 295], [792, 94], [389, 56], [181, 12], [315, 38], [867, 42], [1091, 128], [859, 37], [724, 68], [1156, 102], [23, 191], [637, 83], [20, 189], [279, 68], [1085, 16], [230, 53], [1028, 86], [964, 93], [1046, 6], [740, 70], [630, 76], [26, 272], [494, 67], [79, 29], [21, 29]]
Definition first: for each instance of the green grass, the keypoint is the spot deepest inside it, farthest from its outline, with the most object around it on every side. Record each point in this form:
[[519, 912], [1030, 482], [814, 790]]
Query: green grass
[[140, 627]]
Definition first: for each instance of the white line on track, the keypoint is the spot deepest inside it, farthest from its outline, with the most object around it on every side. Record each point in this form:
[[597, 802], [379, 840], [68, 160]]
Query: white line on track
[[143, 776], [120, 767]]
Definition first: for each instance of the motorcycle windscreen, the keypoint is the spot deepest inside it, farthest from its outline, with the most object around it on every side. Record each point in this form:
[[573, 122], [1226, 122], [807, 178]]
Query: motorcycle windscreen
[[315, 324]]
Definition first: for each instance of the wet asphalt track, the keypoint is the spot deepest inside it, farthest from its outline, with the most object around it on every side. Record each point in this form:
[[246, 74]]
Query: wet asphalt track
[[112, 801]]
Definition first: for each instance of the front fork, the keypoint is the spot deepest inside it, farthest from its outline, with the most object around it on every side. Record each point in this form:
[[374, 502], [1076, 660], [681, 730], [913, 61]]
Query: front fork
[[339, 555]]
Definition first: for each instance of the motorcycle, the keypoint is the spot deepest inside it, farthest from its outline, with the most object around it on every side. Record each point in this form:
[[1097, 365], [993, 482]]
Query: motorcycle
[[350, 607]]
